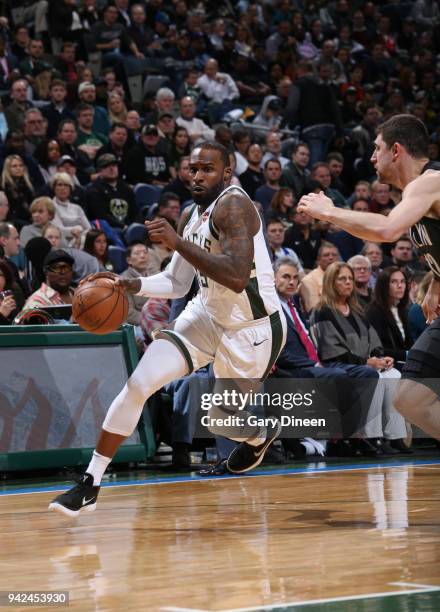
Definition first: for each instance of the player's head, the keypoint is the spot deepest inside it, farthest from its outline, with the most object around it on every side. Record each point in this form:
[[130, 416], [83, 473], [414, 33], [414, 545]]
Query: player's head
[[399, 138], [210, 171]]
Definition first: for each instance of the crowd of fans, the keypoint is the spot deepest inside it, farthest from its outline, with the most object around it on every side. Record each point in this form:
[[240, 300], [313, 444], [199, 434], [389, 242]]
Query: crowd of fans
[[102, 101]]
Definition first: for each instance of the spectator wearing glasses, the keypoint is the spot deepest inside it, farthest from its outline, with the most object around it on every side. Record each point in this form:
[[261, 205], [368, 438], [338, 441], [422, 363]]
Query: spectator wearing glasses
[[58, 269], [362, 271]]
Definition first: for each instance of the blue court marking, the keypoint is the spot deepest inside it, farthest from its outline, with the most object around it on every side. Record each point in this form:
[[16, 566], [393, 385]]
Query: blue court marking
[[254, 474]]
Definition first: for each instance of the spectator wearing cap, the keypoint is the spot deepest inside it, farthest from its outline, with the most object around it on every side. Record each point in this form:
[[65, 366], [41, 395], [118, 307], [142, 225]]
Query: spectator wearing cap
[[58, 269], [16, 110], [89, 140], [108, 197], [87, 94], [166, 127], [196, 128], [148, 162], [117, 146], [67, 164], [160, 46], [57, 110], [219, 88]]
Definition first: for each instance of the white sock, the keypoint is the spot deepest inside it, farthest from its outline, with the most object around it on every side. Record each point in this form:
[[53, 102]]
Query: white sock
[[97, 467]]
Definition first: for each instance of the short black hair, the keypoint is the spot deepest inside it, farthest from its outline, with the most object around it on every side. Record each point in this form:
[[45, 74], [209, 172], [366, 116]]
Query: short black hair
[[213, 145], [274, 160], [130, 247], [166, 198], [408, 131], [117, 125]]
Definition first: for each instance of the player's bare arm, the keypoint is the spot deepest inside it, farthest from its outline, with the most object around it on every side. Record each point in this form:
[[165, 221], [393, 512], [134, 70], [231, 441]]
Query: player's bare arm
[[237, 222], [431, 303], [418, 199]]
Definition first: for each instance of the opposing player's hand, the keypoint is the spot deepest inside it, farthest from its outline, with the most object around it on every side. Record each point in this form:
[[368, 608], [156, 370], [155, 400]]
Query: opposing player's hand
[[316, 205], [160, 231]]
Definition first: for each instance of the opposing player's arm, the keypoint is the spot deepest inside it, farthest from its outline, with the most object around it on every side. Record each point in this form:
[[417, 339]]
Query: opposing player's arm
[[417, 200], [237, 222]]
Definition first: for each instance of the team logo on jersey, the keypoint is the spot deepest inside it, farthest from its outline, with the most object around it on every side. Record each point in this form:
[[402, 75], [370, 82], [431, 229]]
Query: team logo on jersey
[[205, 216]]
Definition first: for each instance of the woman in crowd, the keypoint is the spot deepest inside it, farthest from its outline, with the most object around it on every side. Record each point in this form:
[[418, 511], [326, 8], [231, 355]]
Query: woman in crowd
[[388, 313], [343, 335], [117, 111], [416, 318], [282, 207], [180, 147], [96, 244], [16, 184], [8, 304], [69, 217], [42, 211], [48, 154]]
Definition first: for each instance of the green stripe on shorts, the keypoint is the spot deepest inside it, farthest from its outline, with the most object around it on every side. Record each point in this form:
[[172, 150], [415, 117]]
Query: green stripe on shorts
[[170, 335], [277, 339]]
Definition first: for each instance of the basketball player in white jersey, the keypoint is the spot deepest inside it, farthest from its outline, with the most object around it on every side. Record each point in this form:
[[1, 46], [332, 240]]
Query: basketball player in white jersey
[[235, 322], [401, 160]]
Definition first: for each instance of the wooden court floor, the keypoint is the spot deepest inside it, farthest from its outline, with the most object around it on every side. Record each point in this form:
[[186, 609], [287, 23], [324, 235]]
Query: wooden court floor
[[336, 540]]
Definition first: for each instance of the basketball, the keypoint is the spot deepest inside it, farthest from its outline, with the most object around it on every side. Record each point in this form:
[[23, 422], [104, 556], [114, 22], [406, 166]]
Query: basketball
[[99, 306]]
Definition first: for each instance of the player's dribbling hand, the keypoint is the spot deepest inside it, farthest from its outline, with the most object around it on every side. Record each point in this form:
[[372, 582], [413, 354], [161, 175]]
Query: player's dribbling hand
[[91, 277], [316, 205], [160, 231]]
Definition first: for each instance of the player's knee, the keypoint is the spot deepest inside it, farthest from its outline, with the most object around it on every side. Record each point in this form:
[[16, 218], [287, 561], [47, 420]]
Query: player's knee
[[137, 392]]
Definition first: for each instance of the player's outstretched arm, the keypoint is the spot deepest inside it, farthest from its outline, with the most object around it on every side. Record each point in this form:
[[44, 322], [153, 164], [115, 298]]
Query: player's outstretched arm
[[417, 199], [431, 303]]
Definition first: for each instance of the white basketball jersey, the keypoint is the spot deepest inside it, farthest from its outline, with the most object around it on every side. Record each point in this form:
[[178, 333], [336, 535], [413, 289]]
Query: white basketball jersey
[[227, 308]]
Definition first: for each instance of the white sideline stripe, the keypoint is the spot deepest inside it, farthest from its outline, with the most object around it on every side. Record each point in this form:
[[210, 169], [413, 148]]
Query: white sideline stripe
[[310, 602], [247, 475]]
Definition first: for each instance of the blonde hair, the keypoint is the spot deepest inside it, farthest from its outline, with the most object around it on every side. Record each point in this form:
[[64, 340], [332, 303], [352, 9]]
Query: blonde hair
[[329, 297], [122, 116], [49, 226], [62, 177], [7, 178], [423, 287], [43, 201]]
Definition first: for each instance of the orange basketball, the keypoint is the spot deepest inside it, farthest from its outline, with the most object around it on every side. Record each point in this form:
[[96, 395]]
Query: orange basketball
[[99, 306]]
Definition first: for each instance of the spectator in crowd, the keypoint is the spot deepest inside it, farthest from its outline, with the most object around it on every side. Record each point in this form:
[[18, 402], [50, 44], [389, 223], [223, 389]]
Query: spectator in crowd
[[273, 149], [33, 63], [147, 162], [48, 154], [116, 108], [242, 142], [310, 288], [140, 33], [342, 334], [69, 217], [275, 237], [96, 244], [4, 206], [388, 313], [402, 255], [336, 166], [58, 289], [15, 111], [87, 138], [42, 211], [295, 174], [137, 259], [34, 129], [65, 64], [313, 104], [282, 207], [321, 174], [8, 287], [84, 263], [67, 136], [196, 128], [252, 177], [362, 191], [17, 186], [108, 197], [381, 201], [266, 192], [219, 88], [180, 147], [303, 239], [169, 208], [133, 124], [181, 184], [361, 267], [118, 146]]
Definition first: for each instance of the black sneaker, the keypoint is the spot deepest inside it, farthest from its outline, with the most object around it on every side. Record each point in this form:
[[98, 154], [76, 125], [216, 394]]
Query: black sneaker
[[245, 457], [80, 497]]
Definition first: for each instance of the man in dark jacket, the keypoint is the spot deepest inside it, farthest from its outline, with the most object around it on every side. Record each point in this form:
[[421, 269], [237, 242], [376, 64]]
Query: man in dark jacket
[[108, 197], [147, 162], [57, 110]]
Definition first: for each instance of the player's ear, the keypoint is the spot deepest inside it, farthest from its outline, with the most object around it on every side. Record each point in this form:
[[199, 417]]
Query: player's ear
[[227, 174], [396, 150]]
